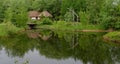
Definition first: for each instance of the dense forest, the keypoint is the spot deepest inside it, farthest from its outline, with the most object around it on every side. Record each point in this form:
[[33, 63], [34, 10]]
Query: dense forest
[[97, 12], [68, 31]]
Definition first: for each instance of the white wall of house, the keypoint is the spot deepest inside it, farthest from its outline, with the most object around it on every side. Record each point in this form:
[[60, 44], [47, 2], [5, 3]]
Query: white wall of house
[[38, 18], [35, 18]]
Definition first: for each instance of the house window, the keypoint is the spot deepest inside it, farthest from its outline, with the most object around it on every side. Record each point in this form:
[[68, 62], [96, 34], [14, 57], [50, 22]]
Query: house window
[[33, 18]]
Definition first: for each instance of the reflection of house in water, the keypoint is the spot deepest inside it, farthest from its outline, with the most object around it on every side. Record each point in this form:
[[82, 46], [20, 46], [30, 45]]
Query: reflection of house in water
[[32, 34], [35, 34], [45, 37]]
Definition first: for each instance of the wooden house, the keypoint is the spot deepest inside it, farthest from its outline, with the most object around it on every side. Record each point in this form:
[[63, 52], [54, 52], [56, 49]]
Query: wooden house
[[34, 15], [45, 14]]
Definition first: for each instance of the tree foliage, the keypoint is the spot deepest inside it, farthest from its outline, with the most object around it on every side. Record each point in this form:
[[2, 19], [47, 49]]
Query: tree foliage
[[101, 12]]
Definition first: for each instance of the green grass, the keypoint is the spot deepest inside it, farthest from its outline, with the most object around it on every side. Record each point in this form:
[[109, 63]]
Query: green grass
[[62, 25], [3, 30], [113, 35], [6, 28]]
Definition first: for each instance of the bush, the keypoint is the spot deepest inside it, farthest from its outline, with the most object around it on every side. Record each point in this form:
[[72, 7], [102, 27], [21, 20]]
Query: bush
[[46, 21], [68, 16], [113, 23], [3, 31], [7, 28], [114, 20], [84, 17]]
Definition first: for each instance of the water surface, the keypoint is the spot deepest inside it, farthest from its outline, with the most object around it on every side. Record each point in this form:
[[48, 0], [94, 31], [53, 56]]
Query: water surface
[[48, 47]]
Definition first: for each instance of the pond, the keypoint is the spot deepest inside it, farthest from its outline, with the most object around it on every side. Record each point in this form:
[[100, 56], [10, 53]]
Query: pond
[[55, 47]]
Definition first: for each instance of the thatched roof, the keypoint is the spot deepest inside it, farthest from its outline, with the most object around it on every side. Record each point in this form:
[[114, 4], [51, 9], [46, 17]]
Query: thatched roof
[[45, 14], [33, 13]]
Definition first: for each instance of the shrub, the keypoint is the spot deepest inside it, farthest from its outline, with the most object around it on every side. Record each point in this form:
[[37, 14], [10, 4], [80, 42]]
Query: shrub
[[84, 17], [68, 16], [46, 21], [114, 20], [7, 28]]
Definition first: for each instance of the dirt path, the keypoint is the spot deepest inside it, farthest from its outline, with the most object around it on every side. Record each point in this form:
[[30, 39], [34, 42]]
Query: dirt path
[[95, 30]]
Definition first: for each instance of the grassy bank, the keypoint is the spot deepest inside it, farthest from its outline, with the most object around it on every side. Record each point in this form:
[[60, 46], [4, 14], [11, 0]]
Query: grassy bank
[[70, 26], [7, 28], [113, 36]]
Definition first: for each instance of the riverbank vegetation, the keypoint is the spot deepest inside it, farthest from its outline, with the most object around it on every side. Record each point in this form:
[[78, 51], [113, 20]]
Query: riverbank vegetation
[[70, 26], [7, 28], [66, 14], [113, 36]]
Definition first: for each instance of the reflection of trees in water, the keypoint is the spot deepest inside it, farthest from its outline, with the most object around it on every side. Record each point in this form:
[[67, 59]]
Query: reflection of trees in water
[[115, 53], [54, 48], [45, 34], [90, 48], [18, 45], [86, 47]]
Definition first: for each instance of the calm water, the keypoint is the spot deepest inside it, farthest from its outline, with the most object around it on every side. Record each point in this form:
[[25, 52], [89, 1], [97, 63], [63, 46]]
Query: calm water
[[48, 47]]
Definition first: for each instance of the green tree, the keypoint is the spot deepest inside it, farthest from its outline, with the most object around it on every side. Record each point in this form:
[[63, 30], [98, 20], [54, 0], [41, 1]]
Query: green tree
[[1, 11]]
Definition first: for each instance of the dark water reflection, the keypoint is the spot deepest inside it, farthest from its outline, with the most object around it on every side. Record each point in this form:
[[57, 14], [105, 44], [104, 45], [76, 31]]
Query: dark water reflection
[[48, 47]]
